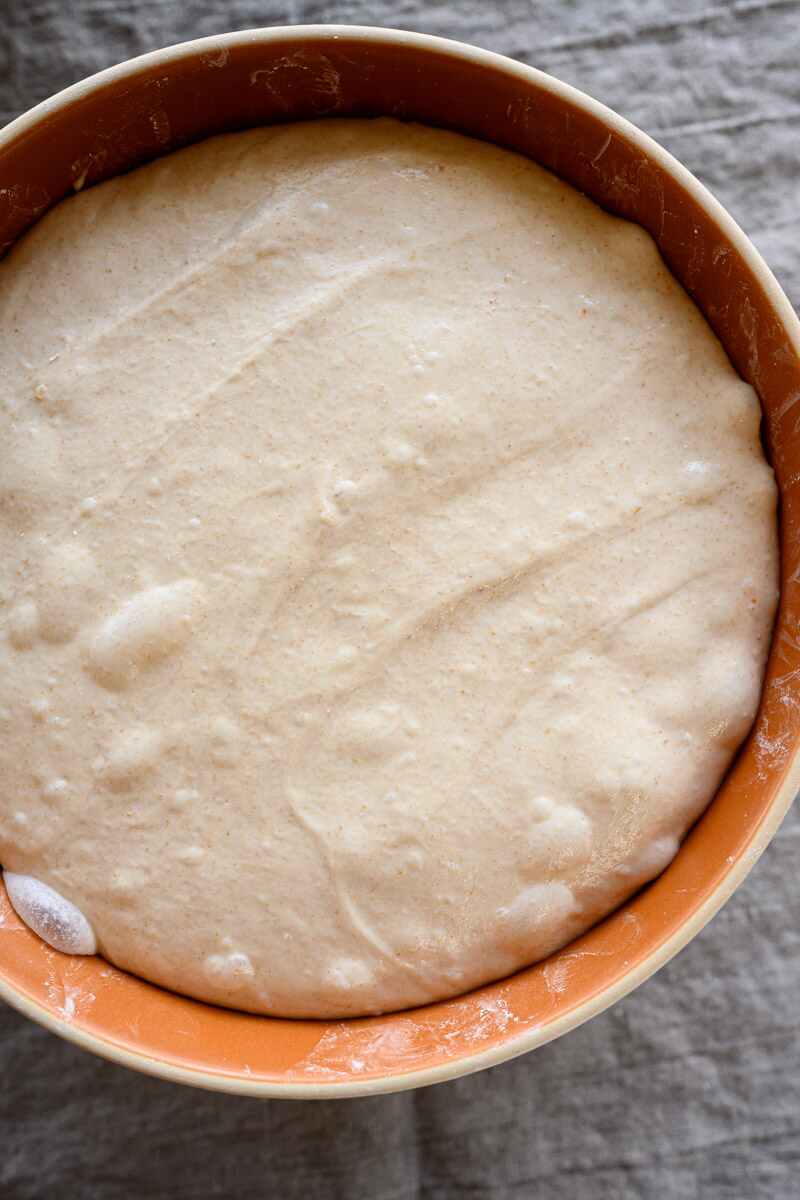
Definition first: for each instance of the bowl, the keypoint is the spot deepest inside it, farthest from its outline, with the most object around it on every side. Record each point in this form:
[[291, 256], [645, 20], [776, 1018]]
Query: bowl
[[151, 105]]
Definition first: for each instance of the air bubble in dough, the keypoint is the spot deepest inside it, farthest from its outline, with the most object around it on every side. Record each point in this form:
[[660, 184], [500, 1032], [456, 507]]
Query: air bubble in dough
[[56, 920]]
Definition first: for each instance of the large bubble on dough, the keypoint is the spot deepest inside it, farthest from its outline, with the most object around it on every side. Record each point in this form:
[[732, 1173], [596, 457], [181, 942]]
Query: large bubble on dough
[[44, 910], [148, 627]]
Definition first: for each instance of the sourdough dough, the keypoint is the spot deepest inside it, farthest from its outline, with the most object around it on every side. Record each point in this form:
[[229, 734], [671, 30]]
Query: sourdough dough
[[388, 565]]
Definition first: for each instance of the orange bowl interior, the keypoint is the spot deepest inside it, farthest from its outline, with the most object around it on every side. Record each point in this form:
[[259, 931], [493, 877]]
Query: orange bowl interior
[[156, 106]]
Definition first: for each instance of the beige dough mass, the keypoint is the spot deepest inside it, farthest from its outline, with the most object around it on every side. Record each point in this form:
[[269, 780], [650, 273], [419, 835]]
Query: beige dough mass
[[387, 563]]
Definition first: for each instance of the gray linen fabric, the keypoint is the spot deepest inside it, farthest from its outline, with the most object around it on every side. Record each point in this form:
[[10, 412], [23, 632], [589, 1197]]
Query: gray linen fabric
[[691, 1086]]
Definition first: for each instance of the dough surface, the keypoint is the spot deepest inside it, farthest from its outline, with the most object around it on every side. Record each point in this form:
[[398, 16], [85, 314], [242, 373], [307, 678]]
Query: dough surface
[[387, 563]]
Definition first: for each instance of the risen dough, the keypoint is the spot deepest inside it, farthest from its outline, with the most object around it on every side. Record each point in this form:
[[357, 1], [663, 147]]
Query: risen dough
[[388, 565]]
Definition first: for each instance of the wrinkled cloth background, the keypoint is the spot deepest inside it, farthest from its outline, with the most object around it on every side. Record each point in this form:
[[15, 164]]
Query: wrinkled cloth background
[[691, 1086]]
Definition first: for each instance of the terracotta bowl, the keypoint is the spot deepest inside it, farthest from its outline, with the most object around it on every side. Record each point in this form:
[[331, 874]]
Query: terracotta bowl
[[149, 106]]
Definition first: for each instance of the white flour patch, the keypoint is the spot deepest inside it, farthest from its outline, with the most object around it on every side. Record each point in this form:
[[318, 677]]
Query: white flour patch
[[557, 971], [353, 1047], [64, 991], [556, 975]]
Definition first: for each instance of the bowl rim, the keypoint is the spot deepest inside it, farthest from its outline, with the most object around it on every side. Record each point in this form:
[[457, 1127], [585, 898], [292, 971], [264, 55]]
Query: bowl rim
[[514, 1045]]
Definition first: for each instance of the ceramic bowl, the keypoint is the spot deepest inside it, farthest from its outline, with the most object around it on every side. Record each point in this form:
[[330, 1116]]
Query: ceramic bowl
[[149, 106]]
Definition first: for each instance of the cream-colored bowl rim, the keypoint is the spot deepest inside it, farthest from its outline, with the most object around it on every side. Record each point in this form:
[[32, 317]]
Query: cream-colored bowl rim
[[529, 1040]]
